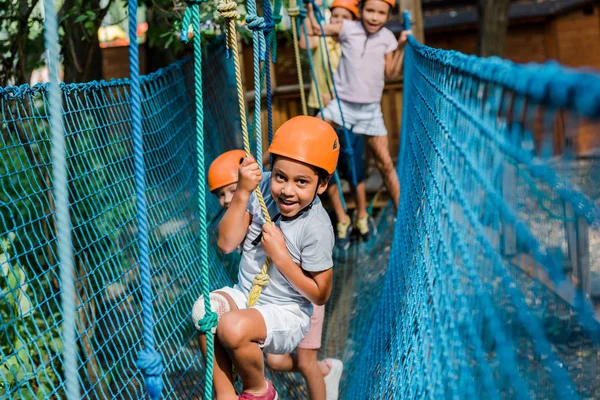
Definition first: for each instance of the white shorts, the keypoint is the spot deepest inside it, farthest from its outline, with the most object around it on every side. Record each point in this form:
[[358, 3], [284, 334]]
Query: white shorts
[[286, 323], [364, 119]]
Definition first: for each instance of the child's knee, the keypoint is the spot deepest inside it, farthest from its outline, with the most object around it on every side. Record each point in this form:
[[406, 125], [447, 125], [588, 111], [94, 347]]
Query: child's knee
[[218, 304], [277, 362], [229, 332]]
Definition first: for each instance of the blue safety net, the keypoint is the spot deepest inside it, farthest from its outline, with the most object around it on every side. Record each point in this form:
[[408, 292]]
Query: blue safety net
[[491, 255]]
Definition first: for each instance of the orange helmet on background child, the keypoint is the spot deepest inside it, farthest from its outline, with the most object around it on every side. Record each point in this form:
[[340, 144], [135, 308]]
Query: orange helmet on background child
[[350, 5], [309, 140], [224, 169]]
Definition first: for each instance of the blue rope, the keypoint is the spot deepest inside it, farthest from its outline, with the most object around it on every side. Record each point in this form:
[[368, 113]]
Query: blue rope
[[257, 25], [348, 147], [61, 193], [270, 35], [149, 360], [336, 176]]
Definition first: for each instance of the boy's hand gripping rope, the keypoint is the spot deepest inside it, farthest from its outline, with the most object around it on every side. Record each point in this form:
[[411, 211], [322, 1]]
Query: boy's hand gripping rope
[[227, 9]]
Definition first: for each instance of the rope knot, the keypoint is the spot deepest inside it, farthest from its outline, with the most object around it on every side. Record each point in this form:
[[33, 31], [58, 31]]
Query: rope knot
[[194, 2], [277, 19], [255, 22], [293, 11], [261, 280], [150, 361], [209, 321], [228, 9]]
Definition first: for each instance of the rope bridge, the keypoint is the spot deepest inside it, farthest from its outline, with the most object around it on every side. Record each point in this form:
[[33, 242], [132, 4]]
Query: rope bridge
[[497, 219]]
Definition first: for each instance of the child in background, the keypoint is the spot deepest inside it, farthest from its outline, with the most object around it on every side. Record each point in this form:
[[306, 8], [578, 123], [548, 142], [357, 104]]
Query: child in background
[[340, 10], [223, 176], [370, 54], [305, 151], [321, 47]]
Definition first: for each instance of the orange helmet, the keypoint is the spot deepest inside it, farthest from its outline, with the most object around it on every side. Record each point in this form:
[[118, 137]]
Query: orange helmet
[[224, 170], [309, 140], [350, 5]]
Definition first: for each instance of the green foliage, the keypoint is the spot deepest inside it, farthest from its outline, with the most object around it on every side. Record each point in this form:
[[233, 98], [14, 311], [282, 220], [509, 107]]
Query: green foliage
[[29, 345]]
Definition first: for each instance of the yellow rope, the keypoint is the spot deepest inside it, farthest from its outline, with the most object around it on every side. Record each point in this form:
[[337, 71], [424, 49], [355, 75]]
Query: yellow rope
[[293, 12], [228, 9]]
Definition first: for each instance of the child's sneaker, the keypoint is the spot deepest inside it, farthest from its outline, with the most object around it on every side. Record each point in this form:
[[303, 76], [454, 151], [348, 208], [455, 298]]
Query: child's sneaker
[[271, 394], [366, 226], [332, 379], [344, 229]]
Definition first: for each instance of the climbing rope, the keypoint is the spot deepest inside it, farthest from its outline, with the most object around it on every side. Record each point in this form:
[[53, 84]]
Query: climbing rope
[[149, 360], [257, 25], [210, 318], [336, 176], [294, 12], [347, 148], [228, 9], [61, 203]]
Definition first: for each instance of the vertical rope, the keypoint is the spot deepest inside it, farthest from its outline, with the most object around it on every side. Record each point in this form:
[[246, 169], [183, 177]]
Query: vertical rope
[[336, 176], [227, 8], [294, 12], [257, 25], [61, 204], [348, 147], [149, 360], [210, 319], [269, 36]]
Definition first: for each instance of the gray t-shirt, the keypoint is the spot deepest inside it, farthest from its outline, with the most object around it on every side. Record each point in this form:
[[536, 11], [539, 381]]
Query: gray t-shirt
[[360, 77], [309, 239]]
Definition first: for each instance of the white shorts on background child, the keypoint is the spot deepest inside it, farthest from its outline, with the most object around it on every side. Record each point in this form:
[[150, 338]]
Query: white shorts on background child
[[361, 118]]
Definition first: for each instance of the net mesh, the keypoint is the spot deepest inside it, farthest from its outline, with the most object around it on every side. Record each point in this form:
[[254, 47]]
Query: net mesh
[[491, 257]]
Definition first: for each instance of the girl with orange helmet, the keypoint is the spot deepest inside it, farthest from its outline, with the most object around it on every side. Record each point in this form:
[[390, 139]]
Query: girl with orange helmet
[[223, 176], [299, 244], [370, 54], [321, 47]]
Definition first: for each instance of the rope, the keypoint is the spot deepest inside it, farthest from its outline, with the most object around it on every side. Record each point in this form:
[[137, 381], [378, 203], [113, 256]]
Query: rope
[[210, 319], [227, 9], [257, 25], [270, 35], [61, 204], [336, 177], [348, 147], [294, 12], [149, 360]]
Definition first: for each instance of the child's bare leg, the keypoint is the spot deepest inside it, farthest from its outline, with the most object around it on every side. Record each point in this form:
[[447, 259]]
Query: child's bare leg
[[281, 362], [310, 370], [240, 332], [336, 202], [361, 200], [379, 147], [222, 372]]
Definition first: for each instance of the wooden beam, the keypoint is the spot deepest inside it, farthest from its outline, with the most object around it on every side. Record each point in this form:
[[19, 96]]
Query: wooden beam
[[416, 12]]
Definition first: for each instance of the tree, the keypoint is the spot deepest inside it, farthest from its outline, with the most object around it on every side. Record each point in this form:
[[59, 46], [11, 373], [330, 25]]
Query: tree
[[80, 20], [493, 25]]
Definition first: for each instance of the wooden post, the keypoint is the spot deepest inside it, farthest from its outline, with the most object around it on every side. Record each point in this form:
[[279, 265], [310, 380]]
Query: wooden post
[[414, 6], [509, 193], [576, 232]]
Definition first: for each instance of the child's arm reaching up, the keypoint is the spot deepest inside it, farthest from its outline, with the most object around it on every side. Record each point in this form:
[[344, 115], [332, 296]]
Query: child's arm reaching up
[[393, 60], [315, 286], [329, 29], [235, 222]]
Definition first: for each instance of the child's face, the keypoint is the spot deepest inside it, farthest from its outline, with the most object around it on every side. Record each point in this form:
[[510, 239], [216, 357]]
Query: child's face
[[225, 194], [339, 14], [294, 185], [374, 14]]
